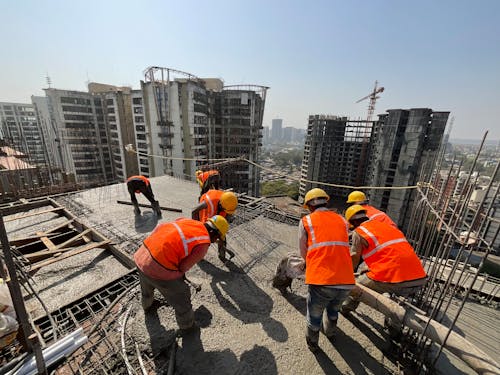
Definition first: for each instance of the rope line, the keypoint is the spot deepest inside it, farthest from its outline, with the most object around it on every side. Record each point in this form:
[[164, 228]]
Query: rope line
[[284, 175]]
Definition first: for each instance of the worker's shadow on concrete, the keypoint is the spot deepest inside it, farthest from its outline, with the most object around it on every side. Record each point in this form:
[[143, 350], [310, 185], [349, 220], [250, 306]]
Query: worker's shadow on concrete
[[193, 359], [146, 222], [246, 302], [326, 363], [358, 359], [297, 301], [378, 341], [160, 339]]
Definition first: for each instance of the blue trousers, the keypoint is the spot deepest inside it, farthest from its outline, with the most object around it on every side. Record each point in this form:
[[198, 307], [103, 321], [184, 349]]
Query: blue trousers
[[320, 298]]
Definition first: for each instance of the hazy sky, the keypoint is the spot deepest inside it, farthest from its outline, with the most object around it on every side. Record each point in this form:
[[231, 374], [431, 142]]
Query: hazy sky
[[317, 56]]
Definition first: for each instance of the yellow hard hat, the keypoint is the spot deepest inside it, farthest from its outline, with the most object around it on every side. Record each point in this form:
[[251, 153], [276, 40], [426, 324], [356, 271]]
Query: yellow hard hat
[[229, 202], [220, 223], [315, 193], [198, 172], [356, 211], [356, 197]]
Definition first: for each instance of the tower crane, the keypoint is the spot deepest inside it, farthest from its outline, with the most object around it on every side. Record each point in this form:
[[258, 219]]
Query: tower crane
[[373, 99]]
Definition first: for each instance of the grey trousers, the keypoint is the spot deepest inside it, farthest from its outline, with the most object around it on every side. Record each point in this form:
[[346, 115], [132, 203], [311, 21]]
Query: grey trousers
[[403, 289], [177, 294]]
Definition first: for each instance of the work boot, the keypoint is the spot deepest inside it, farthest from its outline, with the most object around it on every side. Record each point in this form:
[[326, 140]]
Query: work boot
[[312, 338], [156, 208], [328, 326], [181, 332], [137, 210]]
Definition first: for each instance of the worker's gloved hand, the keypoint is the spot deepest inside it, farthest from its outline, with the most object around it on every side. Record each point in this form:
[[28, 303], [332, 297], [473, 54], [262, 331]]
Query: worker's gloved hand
[[223, 250], [363, 268]]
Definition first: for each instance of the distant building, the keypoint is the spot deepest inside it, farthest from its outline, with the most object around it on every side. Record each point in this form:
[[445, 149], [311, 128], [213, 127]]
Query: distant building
[[298, 135], [176, 120], [287, 134], [404, 152], [336, 151], [277, 130], [20, 129], [79, 131], [121, 111], [237, 132], [190, 120], [265, 135]]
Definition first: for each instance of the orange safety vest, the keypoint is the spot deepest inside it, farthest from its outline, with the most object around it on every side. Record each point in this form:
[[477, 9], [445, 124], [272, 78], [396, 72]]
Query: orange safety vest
[[203, 177], [144, 179], [389, 256], [328, 261], [211, 198], [377, 215], [171, 242]]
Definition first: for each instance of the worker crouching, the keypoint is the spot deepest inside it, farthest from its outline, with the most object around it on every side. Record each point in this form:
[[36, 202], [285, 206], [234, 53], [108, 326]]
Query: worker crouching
[[390, 263], [217, 202], [358, 197], [324, 245], [141, 184], [167, 254]]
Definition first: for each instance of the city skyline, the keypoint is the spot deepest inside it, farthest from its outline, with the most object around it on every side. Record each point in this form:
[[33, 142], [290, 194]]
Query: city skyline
[[445, 56]]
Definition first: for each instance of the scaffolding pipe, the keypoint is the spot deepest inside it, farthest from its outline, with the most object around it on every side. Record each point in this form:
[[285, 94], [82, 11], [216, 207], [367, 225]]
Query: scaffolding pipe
[[456, 344]]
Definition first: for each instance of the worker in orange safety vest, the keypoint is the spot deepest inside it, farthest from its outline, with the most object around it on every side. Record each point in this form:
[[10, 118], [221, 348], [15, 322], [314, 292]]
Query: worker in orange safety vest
[[324, 245], [358, 197], [141, 184], [390, 263], [216, 202], [167, 254], [208, 180]]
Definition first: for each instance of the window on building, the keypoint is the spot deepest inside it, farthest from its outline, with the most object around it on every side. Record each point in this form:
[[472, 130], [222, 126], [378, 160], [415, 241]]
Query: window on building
[[138, 110], [139, 118], [137, 101]]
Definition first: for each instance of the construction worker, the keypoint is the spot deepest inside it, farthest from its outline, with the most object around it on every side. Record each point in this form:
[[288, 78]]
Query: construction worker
[[167, 254], [390, 263], [216, 202], [141, 184], [208, 180], [324, 245], [358, 197]]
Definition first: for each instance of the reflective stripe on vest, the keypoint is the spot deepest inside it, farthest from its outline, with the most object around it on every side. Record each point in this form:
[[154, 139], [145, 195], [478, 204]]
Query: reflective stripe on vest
[[328, 261], [389, 256], [211, 198], [315, 244], [377, 245], [171, 242]]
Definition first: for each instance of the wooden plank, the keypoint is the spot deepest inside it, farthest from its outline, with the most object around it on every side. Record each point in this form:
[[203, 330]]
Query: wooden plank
[[46, 241], [57, 249], [67, 223], [35, 267], [13, 209], [34, 214], [149, 206]]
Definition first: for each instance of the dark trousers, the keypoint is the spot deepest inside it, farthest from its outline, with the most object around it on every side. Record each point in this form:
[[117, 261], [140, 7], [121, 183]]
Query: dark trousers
[[177, 294], [139, 185]]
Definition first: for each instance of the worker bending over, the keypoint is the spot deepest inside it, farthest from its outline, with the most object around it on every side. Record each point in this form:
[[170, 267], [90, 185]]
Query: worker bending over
[[141, 184], [208, 180], [170, 251], [324, 245], [216, 202], [358, 197], [390, 263]]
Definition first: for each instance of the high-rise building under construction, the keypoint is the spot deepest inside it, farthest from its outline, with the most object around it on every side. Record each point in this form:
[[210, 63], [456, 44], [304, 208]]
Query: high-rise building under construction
[[397, 150], [190, 121], [404, 152], [336, 151]]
